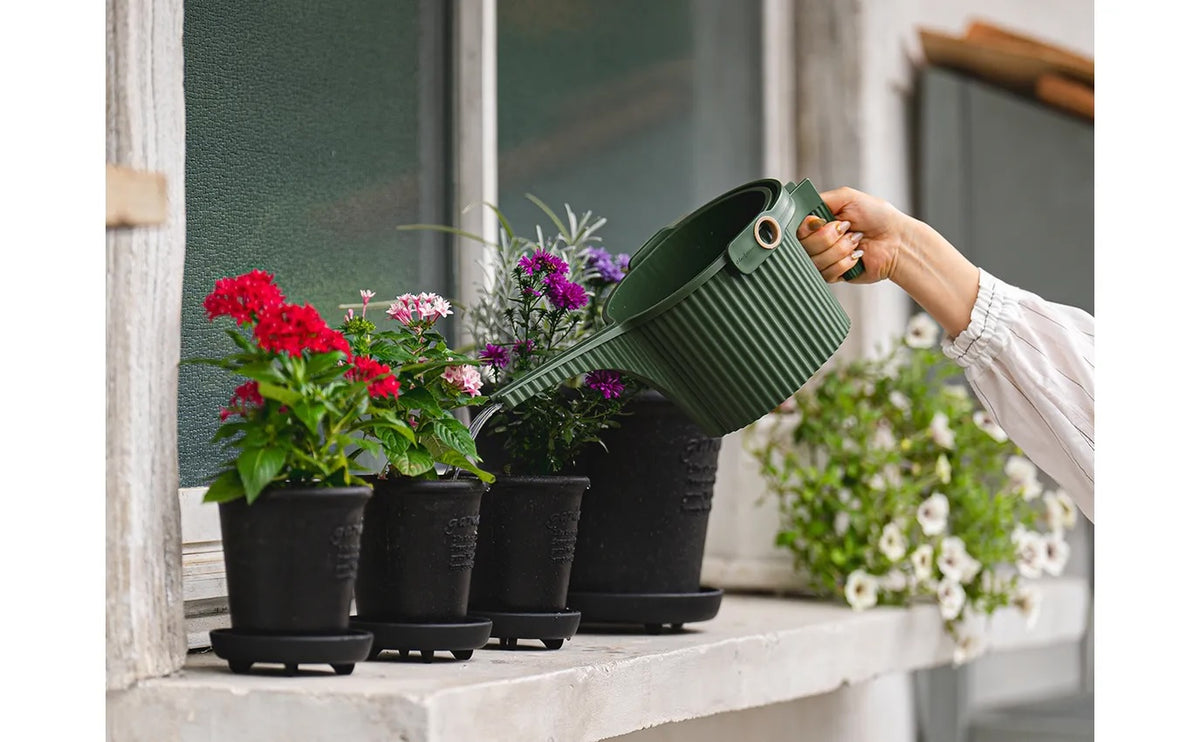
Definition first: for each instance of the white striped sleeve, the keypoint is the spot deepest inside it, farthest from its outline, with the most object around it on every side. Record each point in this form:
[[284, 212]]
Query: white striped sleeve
[[1030, 362]]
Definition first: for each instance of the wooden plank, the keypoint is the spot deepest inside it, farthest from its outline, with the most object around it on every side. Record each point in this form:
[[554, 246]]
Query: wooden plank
[[1004, 64], [134, 198], [145, 130], [1067, 94], [986, 33]]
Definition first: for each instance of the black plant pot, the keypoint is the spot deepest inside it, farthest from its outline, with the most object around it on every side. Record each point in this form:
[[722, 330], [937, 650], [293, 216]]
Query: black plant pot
[[418, 549], [291, 557], [527, 530], [645, 518], [290, 562]]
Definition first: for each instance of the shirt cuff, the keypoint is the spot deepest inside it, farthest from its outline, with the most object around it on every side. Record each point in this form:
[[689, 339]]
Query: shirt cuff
[[989, 331]]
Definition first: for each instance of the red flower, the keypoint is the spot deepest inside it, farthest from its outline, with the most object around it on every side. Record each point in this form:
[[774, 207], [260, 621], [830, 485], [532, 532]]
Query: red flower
[[243, 298], [293, 329], [379, 375], [244, 397]]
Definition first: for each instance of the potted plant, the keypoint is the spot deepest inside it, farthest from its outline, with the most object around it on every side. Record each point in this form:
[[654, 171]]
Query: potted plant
[[291, 499], [420, 527], [895, 486], [644, 519], [536, 305]]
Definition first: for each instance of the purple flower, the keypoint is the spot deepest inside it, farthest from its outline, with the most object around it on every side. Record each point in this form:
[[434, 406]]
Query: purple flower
[[607, 383], [528, 264], [524, 347], [623, 262], [565, 294], [542, 260], [495, 356], [599, 260]]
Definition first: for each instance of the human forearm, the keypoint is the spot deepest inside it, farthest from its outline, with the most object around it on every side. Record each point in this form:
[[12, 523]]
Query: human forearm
[[936, 276]]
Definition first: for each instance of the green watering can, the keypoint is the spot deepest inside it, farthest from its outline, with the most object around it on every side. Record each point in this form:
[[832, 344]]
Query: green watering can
[[723, 311]]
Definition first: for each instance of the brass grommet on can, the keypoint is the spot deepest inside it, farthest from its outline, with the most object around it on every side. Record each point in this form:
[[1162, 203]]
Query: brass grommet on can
[[767, 232]]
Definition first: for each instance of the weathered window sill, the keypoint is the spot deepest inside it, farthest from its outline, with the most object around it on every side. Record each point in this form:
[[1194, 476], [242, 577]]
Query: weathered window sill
[[757, 651]]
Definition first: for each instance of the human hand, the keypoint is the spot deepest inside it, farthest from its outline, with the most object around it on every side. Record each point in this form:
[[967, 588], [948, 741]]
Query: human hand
[[864, 227]]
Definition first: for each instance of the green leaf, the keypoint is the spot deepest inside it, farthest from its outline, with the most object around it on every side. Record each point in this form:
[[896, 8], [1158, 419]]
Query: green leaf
[[225, 488], [421, 399], [453, 458], [323, 362], [447, 230], [258, 467], [278, 393], [240, 340], [310, 414], [261, 371], [562, 228], [455, 435], [395, 443], [412, 462]]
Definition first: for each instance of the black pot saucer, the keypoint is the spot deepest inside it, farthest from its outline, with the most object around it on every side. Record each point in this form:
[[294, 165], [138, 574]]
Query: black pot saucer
[[551, 628], [242, 649], [459, 637], [654, 611]]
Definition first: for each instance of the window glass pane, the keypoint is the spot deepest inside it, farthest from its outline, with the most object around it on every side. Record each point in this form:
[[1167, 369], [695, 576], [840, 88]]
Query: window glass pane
[[637, 111], [313, 130]]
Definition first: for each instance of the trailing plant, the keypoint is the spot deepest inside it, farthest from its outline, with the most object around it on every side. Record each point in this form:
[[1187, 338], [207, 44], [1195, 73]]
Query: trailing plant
[[894, 485]]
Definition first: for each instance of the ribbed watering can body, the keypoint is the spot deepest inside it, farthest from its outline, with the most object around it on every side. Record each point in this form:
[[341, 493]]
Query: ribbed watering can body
[[723, 311]]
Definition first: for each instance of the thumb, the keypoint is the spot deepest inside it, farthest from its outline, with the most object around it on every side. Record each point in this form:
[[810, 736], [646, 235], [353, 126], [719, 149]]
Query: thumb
[[839, 198]]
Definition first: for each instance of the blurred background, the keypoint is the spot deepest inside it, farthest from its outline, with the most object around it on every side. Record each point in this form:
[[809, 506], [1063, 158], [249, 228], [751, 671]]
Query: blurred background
[[314, 129]]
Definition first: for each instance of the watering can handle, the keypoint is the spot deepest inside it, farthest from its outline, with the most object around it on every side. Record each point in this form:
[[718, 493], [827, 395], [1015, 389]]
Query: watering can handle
[[805, 193]]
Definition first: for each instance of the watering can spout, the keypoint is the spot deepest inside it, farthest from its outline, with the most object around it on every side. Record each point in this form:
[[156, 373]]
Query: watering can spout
[[607, 349]]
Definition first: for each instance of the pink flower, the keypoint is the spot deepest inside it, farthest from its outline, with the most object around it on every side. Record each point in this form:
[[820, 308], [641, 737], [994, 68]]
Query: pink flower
[[366, 295], [466, 379], [433, 306], [419, 311]]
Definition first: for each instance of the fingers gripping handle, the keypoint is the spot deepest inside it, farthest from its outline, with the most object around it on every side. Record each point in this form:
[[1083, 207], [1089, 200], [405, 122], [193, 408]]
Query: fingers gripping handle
[[810, 204]]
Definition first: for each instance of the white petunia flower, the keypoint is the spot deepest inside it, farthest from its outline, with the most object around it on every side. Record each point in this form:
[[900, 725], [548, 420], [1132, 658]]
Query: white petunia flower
[[876, 482], [932, 514], [942, 469], [841, 523], [843, 495], [939, 430], [1055, 552], [862, 590], [970, 570], [922, 331], [968, 648], [1060, 511], [883, 439], [849, 446], [922, 559], [892, 475], [1024, 476], [951, 598], [1028, 601], [899, 401], [1030, 554], [988, 425], [892, 543], [895, 581], [953, 559]]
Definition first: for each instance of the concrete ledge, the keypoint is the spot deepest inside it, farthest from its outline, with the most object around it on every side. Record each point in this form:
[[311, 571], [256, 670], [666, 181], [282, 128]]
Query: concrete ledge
[[757, 651]]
